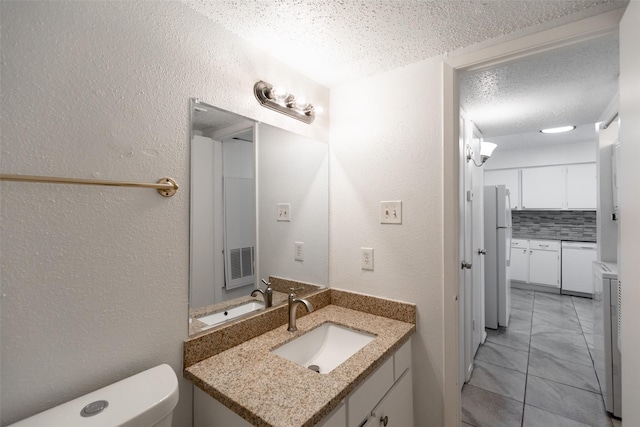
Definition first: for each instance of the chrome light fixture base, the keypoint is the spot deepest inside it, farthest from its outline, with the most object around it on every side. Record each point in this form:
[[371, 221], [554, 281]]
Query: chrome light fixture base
[[266, 96]]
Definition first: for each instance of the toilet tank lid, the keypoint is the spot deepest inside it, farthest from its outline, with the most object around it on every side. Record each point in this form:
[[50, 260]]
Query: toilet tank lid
[[140, 400]]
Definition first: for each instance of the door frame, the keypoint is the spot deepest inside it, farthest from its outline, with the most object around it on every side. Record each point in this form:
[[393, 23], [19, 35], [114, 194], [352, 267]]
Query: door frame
[[481, 56]]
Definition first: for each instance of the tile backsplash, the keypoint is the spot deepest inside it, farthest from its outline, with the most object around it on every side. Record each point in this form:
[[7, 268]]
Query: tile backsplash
[[578, 226]]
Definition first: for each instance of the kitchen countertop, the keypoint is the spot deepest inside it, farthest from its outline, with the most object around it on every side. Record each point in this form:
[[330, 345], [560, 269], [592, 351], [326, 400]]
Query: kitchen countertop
[[525, 236], [268, 390]]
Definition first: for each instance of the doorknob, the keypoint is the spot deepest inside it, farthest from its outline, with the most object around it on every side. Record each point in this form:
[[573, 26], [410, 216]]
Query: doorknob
[[466, 265], [482, 251]]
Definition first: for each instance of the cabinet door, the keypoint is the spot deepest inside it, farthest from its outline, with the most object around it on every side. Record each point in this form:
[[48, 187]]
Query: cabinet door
[[544, 267], [337, 418], [581, 186], [397, 406], [509, 178], [543, 188], [520, 264]]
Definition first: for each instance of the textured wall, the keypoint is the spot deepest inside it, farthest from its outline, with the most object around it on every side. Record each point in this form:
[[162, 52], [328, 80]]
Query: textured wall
[[386, 144], [94, 279]]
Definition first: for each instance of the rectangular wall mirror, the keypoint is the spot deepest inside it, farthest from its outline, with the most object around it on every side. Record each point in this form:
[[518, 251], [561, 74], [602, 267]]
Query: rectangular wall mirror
[[259, 210]]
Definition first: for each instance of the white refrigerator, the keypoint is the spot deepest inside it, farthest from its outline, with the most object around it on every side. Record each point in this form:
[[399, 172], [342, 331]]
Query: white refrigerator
[[497, 242]]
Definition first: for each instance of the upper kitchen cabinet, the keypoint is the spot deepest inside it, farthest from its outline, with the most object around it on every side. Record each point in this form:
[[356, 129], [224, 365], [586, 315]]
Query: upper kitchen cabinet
[[510, 178], [543, 187], [559, 187], [581, 186]]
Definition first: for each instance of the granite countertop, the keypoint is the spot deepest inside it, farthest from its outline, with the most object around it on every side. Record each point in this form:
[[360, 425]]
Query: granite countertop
[[268, 390]]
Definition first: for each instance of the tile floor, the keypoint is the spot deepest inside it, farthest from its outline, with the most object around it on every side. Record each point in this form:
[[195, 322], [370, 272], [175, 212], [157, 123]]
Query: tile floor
[[539, 370]]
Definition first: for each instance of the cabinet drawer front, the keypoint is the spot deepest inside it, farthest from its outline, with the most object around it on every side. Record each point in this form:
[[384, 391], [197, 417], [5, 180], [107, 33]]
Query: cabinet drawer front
[[545, 245], [519, 243]]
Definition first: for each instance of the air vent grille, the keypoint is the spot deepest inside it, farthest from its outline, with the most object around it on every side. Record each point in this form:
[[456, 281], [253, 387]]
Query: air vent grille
[[241, 262]]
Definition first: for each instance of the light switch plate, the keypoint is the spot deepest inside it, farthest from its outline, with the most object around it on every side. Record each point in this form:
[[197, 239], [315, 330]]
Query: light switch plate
[[391, 212], [283, 212]]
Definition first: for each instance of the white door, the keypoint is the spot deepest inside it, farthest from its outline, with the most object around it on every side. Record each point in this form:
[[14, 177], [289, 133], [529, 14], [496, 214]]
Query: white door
[[477, 233], [466, 260]]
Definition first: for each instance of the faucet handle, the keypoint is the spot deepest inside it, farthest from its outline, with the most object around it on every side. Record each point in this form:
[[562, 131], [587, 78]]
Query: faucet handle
[[268, 284], [294, 290]]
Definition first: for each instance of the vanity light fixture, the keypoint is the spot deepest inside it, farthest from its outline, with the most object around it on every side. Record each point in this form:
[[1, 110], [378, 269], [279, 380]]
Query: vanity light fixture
[[283, 102], [486, 150], [558, 130]]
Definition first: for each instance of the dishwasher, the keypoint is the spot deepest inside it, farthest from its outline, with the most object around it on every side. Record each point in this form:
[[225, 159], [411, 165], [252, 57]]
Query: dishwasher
[[577, 260]]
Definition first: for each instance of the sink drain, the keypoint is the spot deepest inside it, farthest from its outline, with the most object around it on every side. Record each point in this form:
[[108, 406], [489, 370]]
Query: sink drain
[[314, 368]]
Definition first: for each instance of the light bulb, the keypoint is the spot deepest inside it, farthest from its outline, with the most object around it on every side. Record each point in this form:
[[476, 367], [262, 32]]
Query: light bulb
[[302, 103], [279, 93]]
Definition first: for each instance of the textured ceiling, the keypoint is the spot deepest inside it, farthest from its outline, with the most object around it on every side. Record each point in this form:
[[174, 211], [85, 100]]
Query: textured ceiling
[[567, 86], [335, 42]]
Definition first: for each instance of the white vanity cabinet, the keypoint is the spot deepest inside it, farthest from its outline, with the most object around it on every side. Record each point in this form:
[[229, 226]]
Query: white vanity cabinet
[[387, 392], [396, 408]]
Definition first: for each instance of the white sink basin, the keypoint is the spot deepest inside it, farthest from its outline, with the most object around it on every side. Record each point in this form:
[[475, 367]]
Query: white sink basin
[[326, 346], [230, 314]]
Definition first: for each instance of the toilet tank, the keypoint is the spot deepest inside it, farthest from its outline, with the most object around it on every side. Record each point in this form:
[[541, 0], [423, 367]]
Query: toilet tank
[[146, 399]]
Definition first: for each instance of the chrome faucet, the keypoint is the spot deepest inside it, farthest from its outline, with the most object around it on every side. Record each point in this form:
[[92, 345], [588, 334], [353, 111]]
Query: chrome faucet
[[267, 294], [293, 306]]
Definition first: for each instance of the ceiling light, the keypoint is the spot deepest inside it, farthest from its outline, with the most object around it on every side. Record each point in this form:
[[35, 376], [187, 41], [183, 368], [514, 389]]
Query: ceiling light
[[558, 130], [283, 102]]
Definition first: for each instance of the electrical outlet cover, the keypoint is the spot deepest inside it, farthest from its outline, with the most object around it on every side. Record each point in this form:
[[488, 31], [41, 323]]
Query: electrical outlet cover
[[391, 212], [366, 258], [298, 250]]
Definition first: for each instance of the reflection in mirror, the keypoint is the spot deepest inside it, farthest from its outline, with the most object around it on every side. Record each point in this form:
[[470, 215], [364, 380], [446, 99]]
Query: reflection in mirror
[[243, 174]]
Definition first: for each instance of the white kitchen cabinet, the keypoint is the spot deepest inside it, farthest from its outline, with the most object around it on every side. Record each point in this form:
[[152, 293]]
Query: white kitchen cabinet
[[581, 186], [543, 187], [536, 263], [510, 178], [396, 408], [559, 187], [544, 267], [520, 260]]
